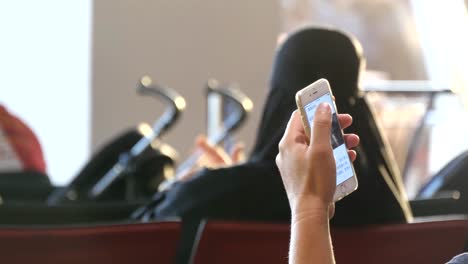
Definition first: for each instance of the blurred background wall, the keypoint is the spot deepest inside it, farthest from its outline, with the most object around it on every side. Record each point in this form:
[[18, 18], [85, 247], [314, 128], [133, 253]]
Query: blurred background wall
[[180, 44]]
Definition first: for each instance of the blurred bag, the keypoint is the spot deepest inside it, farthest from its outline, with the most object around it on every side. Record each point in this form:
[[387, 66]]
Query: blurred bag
[[22, 166], [140, 182], [20, 149]]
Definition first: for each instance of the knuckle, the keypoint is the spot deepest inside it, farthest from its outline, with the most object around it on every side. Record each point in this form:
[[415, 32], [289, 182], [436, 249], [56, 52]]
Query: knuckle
[[278, 160], [322, 149], [282, 145], [322, 122]]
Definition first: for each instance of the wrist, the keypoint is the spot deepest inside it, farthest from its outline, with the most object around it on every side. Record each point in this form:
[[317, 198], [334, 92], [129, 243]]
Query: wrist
[[310, 208]]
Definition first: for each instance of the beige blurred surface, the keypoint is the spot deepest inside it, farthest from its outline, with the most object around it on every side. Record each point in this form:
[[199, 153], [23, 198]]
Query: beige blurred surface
[[180, 44], [385, 28]]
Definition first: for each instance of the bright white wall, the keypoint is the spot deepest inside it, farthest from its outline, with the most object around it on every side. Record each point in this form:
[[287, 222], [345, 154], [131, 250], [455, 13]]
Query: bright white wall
[[45, 73], [443, 29]]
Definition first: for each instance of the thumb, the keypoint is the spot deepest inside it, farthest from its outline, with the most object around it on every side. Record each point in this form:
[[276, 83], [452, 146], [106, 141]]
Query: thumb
[[322, 125]]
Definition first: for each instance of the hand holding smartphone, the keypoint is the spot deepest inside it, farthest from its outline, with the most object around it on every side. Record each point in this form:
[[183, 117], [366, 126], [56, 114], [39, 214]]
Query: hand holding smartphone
[[307, 101]]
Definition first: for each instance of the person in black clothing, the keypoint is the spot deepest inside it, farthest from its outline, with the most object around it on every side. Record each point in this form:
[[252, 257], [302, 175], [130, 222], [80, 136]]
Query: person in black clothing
[[254, 190]]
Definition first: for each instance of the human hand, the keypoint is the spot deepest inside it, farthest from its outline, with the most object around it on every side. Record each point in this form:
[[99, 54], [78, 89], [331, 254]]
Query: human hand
[[308, 170], [215, 156], [212, 156]]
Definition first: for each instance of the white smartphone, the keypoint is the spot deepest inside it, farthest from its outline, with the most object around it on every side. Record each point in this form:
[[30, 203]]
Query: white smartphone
[[307, 101]]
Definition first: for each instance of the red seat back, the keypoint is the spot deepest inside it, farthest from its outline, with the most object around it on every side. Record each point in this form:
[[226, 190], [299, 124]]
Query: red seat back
[[434, 242], [431, 242], [229, 243], [129, 243]]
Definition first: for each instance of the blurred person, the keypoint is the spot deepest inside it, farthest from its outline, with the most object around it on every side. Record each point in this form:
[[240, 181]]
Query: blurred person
[[252, 190], [393, 39]]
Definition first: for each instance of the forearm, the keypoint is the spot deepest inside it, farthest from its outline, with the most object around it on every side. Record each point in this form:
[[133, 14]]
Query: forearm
[[310, 238]]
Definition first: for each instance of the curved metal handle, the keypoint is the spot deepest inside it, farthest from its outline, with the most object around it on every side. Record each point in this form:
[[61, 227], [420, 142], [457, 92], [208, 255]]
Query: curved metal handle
[[169, 117], [243, 102], [233, 122], [176, 102]]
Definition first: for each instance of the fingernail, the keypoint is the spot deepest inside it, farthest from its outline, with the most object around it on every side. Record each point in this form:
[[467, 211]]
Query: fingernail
[[324, 108]]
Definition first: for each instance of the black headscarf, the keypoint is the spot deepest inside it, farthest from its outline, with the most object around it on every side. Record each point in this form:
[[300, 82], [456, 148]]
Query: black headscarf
[[306, 56]]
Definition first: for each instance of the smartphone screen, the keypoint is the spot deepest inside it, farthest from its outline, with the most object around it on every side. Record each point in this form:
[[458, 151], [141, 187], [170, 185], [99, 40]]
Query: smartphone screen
[[344, 169]]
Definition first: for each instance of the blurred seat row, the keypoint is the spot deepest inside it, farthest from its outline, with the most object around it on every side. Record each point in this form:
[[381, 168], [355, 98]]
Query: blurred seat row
[[228, 242]]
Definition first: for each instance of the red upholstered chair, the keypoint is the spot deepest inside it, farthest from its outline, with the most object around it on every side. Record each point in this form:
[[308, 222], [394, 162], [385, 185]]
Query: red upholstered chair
[[432, 242], [126, 243], [241, 243]]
